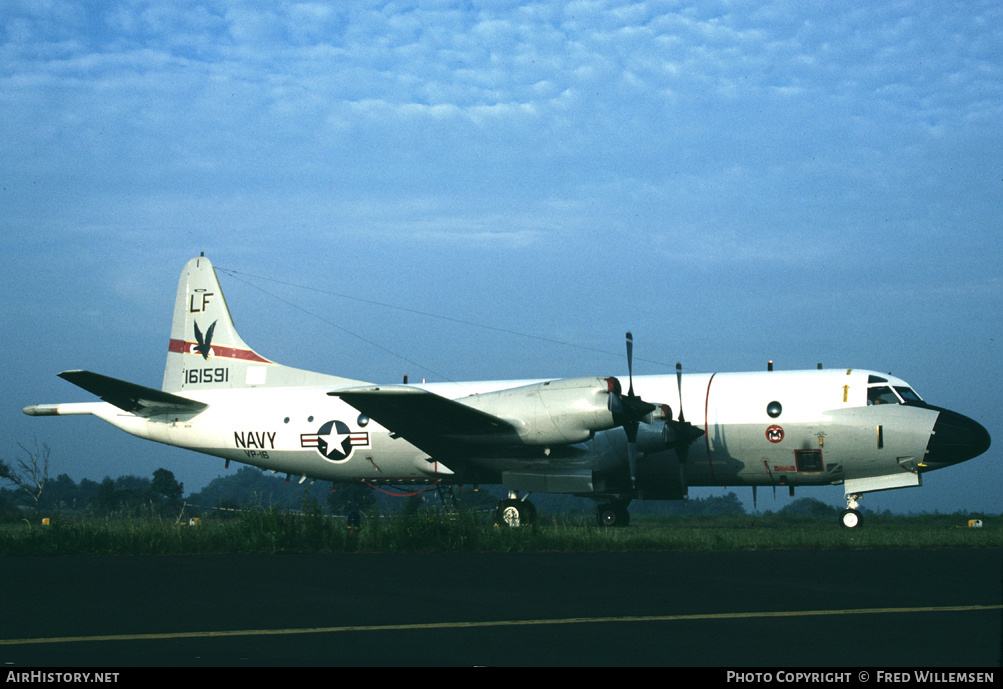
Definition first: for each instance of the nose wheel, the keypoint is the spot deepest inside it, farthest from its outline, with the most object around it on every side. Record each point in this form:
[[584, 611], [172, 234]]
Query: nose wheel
[[850, 517]]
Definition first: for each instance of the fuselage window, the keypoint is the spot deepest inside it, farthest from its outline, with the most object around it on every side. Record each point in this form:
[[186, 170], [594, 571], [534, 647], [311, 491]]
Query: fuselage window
[[908, 394], [882, 394]]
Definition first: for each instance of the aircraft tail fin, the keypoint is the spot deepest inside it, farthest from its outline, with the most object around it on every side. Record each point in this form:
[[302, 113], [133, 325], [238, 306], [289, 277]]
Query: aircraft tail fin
[[205, 351]]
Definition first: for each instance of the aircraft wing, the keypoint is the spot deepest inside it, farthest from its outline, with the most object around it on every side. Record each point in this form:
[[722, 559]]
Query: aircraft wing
[[136, 399], [439, 426]]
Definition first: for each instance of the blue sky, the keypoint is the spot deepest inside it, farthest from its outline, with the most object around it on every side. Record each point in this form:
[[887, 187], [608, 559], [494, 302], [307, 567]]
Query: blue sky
[[732, 181]]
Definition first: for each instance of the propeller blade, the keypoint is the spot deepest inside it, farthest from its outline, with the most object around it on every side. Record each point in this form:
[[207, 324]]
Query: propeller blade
[[631, 429], [683, 449], [630, 363], [679, 382]]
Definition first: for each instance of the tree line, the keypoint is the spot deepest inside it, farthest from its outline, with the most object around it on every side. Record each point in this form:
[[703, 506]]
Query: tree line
[[160, 494], [248, 488]]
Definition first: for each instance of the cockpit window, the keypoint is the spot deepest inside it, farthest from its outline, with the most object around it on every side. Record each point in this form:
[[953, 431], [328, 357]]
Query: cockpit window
[[871, 380], [907, 394], [882, 394]]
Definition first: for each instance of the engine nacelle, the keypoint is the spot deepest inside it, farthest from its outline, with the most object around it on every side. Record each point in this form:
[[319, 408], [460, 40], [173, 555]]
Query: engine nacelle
[[556, 412]]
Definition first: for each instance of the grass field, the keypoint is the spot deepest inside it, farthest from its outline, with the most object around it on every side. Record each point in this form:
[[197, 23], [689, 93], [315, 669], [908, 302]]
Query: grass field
[[277, 532]]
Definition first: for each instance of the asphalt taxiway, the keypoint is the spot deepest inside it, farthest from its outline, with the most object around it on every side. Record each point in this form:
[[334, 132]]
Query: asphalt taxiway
[[765, 608]]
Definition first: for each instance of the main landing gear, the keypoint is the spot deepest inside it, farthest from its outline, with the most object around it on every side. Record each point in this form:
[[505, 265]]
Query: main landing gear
[[515, 512], [850, 517]]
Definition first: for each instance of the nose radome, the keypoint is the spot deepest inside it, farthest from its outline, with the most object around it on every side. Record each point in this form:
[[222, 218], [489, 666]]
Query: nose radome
[[955, 438]]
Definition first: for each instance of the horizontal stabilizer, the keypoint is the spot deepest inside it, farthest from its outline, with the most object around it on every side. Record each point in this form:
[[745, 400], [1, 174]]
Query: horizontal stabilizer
[[41, 410], [136, 399], [437, 425]]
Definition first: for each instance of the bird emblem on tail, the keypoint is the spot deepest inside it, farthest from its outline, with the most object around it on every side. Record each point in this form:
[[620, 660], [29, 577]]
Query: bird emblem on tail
[[204, 346]]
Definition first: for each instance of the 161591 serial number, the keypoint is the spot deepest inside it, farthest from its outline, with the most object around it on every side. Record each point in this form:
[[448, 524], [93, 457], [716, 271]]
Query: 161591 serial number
[[194, 376]]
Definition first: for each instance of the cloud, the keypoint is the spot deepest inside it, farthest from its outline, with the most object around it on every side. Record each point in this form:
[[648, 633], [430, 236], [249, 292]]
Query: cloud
[[712, 109]]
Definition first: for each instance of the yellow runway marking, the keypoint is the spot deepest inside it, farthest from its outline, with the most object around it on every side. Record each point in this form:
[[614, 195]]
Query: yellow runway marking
[[496, 623]]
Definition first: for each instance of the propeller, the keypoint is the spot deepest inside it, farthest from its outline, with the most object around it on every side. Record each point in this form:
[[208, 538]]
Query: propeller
[[680, 434], [629, 410]]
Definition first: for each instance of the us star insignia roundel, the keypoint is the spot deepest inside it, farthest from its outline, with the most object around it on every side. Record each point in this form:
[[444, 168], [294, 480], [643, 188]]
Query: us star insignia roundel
[[334, 441]]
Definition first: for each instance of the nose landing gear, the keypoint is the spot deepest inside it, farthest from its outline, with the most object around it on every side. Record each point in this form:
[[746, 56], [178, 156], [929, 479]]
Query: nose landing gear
[[850, 517]]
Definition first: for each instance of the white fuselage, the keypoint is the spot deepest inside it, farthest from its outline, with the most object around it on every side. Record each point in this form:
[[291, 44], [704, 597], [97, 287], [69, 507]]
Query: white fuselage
[[824, 433]]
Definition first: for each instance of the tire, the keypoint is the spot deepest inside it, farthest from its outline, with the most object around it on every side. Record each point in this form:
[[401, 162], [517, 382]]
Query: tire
[[850, 519], [611, 515], [511, 512]]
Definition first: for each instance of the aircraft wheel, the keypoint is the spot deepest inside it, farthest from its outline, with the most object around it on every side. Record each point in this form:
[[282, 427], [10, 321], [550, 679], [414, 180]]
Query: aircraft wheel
[[850, 519], [514, 512], [612, 515]]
